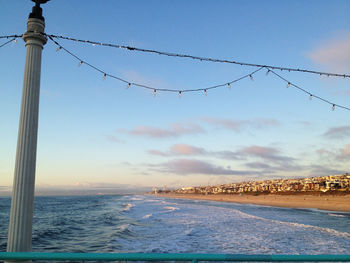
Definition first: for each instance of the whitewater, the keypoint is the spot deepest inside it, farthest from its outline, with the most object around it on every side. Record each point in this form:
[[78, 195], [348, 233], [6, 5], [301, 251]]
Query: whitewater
[[151, 224]]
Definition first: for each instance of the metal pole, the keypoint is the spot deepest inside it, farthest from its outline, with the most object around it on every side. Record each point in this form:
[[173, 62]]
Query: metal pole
[[21, 217]]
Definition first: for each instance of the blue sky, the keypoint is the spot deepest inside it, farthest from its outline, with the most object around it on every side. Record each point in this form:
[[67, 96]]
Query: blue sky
[[97, 133]]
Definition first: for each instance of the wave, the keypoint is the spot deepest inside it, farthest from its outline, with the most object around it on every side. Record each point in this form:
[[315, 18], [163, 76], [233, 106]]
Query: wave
[[137, 199], [128, 207], [317, 228], [171, 208], [147, 216]]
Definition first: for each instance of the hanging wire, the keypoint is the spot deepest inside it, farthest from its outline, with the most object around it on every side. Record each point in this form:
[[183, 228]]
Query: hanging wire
[[311, 95], [130, 83], [215, 60], [7, 42], [11, 36], [205, 90]]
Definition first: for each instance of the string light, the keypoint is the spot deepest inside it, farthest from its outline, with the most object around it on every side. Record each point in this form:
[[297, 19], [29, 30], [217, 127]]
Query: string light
[[215, 60], [229, 86], [269, 68], [104, 76], [310, 95], [251, 77], [128, 85], [154, 92], [7, 42], [58, 49], [199, 89], [205, 92], [180, 94], [11, 36]]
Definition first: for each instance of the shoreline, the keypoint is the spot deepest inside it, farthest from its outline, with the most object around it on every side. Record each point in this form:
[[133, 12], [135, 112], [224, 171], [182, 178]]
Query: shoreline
[[329, 202]]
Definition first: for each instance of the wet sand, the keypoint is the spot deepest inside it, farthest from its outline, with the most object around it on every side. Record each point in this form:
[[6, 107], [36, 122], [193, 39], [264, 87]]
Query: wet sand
[[323, 202]]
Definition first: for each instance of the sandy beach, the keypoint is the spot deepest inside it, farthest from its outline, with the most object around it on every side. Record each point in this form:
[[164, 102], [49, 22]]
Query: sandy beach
[[323, 202]]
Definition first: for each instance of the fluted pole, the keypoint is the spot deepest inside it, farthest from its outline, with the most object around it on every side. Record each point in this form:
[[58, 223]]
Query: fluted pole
[[21, 217]]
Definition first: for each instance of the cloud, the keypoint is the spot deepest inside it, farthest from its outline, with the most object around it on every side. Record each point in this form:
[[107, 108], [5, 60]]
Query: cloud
[[238, 125], [344, 154], [112, 138], [334, 53], [180, 149], [258, 165], [174, 130], [191, 166], [320, 170], [339, 132], [265, 153]]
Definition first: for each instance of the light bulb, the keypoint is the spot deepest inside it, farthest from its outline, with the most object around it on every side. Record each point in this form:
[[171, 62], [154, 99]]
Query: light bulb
[[180, 94], [267, 72], [154, 92], [229, 86], [15, 40], [104, 76], [205, 92], [251, 77], [80, 63], [310, 97], [58, 49], [288, 85], [333, 107], [128, 85]]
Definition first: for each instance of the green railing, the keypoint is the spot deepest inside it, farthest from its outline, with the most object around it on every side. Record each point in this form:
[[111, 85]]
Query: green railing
[[167, 257]]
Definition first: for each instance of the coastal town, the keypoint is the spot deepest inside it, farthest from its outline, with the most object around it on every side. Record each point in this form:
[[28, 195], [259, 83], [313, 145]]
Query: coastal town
[[324, 184]]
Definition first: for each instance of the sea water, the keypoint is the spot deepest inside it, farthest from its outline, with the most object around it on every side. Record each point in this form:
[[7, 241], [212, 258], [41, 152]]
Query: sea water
[[138, 223]]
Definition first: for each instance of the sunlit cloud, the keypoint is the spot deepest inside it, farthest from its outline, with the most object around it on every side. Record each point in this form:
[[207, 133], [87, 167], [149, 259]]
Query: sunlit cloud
[[180, 149], [344, 154], [334, 54], [265, 153], [339, 132], [112, 138], [239, 125], [191, 166], [185, 149], [321, 170], [174, 130]]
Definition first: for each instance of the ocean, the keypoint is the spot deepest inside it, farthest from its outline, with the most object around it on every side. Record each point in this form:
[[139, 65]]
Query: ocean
[[137, 223]]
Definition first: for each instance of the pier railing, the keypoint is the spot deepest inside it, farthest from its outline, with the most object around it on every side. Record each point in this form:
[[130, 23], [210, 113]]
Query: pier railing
[[194, 258]]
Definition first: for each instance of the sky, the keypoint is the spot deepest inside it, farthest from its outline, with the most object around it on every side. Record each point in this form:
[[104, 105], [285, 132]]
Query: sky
[[97, 134]]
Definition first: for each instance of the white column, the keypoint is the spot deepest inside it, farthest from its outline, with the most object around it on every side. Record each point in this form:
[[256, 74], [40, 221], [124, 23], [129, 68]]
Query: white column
[[21, 217]]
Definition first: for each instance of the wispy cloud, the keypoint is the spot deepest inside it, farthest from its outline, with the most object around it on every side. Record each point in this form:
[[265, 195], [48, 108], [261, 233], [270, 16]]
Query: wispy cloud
[[180, 149], [335, 53], [112, 138], [238, 125], [344, 154], [339, 132], [265, 153], [174, 130], [321, 170], [258, 159], [191, 166]]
